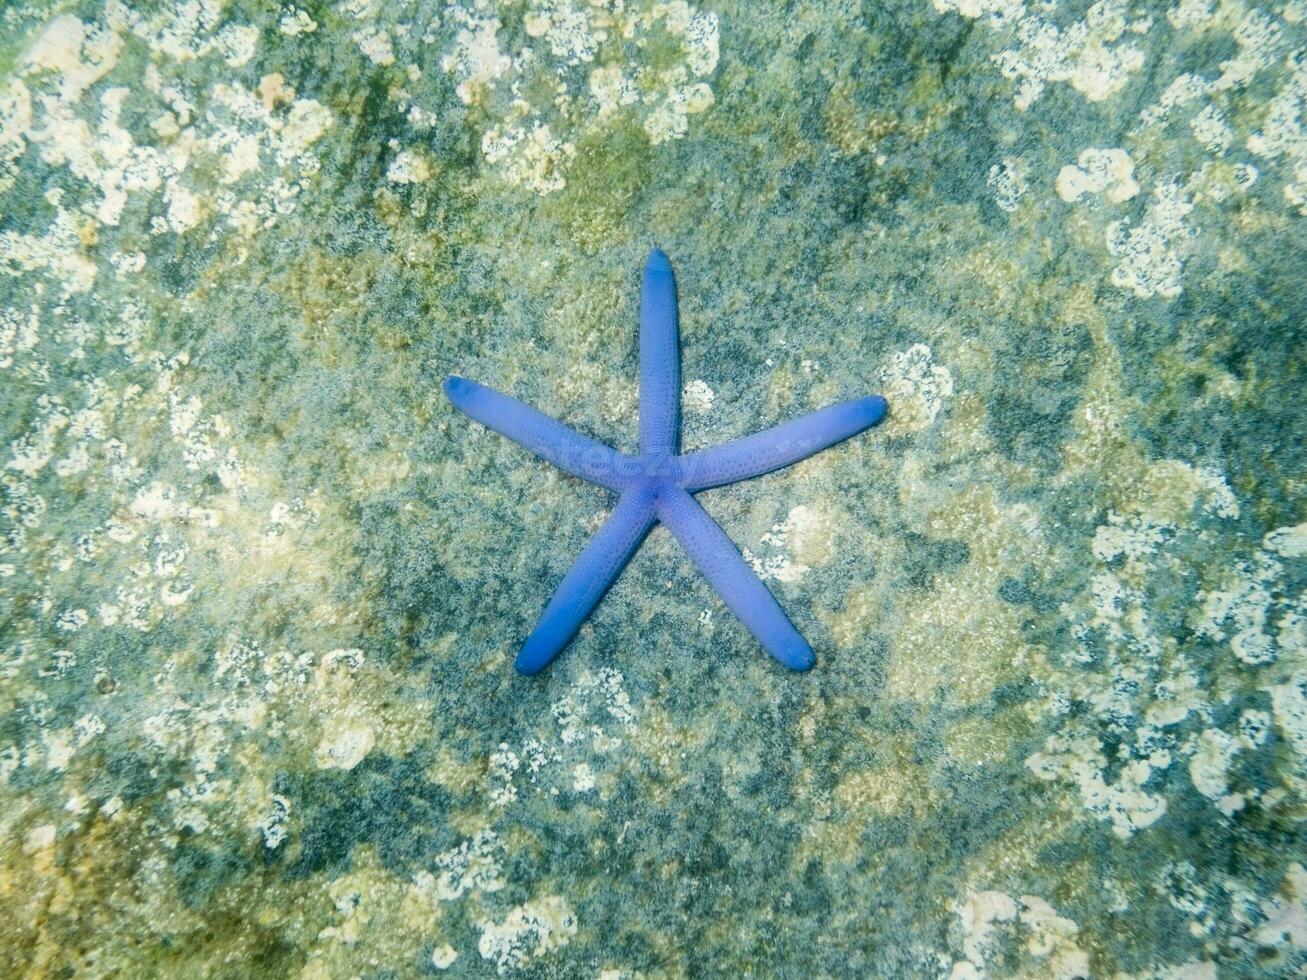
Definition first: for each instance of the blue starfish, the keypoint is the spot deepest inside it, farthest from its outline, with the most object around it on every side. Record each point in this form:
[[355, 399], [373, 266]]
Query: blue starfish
[[657, 485]]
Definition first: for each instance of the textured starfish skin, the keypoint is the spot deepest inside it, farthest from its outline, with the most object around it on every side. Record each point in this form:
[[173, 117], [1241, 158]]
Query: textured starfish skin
[[657, 485]]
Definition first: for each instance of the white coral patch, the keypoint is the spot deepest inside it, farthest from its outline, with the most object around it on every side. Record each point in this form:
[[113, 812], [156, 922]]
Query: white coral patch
[[408, 167], [1254, 611], [1150, 253], [997, 12], [979, 914], [1209, 765], [1091, 55], [443, 957], [541, 96], [1007, 180], [69, 57], [916, 387], [296, 22], [345, 745], [1289, 542], [305, 124], [1286, 914], [794, 545], [698, 397], [1289, 706], [583, 780], [568, 31], [1128, 676], [376, 45], [989, 919], [273, 823], [1097, 171], [15, 120], [1284, 135], [473, 865], [529, 931], [477, 57], [534, 158], [1079, 760], [612, 89], [669, 119], [237, 43], [1210, 128], [80, 56], [504, 762]]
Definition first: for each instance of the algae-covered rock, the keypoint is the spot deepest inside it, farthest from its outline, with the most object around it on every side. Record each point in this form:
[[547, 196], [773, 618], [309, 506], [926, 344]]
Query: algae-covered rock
[[261, 587]]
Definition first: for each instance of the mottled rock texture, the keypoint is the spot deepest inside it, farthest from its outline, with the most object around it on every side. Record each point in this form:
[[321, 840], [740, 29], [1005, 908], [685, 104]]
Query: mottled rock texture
[[260, 587]]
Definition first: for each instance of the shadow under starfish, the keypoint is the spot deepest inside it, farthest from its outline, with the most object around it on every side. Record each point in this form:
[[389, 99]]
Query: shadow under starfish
[[658, 485]]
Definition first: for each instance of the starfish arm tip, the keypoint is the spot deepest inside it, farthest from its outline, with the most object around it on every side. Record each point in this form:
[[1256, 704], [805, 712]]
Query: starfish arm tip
[[874, 407], [781, 445], [734, 580], [533, 657], [660, 358], [586, 581], [796, 655], [658, 261], [457, 389]]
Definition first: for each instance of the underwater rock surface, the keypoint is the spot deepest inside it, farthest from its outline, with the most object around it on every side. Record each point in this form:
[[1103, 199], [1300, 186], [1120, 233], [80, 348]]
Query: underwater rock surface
[[260, 589]]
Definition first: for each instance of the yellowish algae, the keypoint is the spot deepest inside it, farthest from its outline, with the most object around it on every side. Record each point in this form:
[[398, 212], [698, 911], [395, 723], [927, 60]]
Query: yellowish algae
[[260, 587]]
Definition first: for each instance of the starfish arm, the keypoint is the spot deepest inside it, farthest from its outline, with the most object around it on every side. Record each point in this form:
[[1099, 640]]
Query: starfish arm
[[774, 448], [548, 438], [660, 359], [742, 591], [587, 580]]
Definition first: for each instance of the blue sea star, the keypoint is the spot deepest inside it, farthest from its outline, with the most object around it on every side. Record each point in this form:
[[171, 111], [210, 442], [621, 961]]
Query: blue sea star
[[658, 484]]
